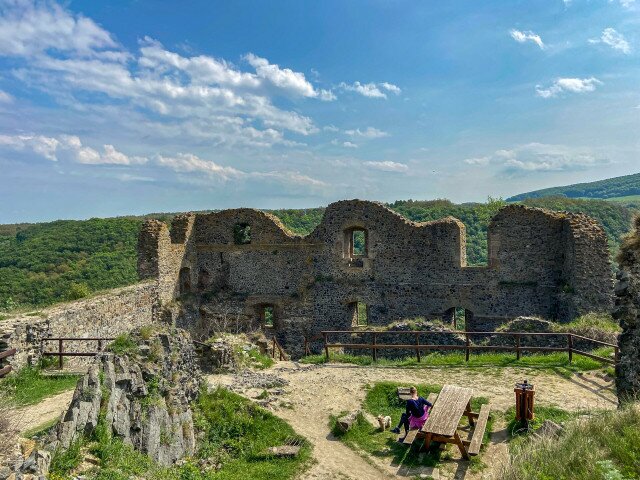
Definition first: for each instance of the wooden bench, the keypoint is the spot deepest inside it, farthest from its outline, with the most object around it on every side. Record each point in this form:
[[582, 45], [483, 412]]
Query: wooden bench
[[416, 433], [478, 432]]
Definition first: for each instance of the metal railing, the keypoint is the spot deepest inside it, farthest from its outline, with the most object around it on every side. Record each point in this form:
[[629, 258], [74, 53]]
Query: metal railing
[[61, 353], [7, 368], [421, 347]]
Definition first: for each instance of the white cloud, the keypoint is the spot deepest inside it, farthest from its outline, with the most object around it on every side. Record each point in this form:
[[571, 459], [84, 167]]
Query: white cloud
[[30, 28], [528, 36], [369, 132], [286, 79], [64, 55], [625, 3], [614, 39], [390, 87], [189, 163], [388, 166], [574, 85], [330, 128], [67, 147], [43, 146], [5, 97], [540, 157], [371, 90], [480, 161], [349, 145]]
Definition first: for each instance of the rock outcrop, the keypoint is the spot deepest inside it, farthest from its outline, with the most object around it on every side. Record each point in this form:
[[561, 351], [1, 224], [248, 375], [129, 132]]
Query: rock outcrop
[[627, 311], [142, 394]]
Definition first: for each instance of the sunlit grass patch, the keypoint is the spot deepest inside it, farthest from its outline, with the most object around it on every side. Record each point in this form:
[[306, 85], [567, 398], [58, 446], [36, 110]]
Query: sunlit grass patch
[[29, 385]]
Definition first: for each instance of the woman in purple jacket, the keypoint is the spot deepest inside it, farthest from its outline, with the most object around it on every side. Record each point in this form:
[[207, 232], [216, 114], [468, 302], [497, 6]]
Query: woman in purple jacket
[[416, 413]]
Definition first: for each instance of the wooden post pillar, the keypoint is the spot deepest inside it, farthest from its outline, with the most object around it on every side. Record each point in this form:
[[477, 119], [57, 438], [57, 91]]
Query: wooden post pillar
[[570, 346], [60, 363]]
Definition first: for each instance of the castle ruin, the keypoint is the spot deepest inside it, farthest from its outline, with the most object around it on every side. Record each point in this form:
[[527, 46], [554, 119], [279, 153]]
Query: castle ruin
[[365, 265]]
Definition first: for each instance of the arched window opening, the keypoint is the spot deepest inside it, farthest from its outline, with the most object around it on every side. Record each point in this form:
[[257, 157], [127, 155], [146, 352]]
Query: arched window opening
[[242, 234]]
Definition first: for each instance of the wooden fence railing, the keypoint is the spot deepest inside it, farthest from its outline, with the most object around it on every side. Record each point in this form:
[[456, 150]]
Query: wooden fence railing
[[61, 353], [421, 347], [6, 354], [282, 355]]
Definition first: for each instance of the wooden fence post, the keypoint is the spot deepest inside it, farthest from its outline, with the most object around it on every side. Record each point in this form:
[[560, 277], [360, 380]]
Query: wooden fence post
[[60, 365], [326, 348], [466, 347], [375, 351], [418, 346], [517, 346], [570, 346]]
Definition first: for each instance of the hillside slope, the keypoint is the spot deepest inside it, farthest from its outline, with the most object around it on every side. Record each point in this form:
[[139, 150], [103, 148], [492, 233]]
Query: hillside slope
[[625, 186]]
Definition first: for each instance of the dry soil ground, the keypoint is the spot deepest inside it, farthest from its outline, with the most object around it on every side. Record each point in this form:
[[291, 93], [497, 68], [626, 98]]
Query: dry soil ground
[[315, 393]]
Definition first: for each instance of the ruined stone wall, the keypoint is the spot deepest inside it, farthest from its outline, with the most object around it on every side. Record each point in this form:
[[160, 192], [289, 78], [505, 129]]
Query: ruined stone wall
[[106, 315], [627, 311], [554, 265]]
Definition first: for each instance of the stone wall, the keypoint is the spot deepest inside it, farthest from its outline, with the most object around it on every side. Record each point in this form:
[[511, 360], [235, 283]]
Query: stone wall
[[107, 315], [627, 311], [553, 265]]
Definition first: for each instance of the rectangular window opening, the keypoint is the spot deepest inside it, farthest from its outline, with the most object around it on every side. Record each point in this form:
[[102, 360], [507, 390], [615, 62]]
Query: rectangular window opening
[[362, 317], [267, 316], [358, 243], [242, 234]]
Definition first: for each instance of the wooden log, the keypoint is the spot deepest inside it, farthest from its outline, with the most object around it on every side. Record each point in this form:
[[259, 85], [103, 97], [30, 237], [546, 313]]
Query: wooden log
[[347, 421]]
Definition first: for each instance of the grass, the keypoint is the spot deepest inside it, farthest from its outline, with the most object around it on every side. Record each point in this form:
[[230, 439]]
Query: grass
[[123, 345], [557, 361], [542, 413], [590, 322], [29, 386], [41, 430], [606, 446], [260, 360], [233, 432], [382, 398]]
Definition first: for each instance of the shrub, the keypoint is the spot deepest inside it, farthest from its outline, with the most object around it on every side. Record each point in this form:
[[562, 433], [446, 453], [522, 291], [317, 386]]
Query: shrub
[[123, 345], [77, 291]]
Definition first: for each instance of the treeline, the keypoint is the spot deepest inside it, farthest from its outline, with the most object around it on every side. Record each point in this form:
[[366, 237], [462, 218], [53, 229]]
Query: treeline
[[625, 186], [46, 263]]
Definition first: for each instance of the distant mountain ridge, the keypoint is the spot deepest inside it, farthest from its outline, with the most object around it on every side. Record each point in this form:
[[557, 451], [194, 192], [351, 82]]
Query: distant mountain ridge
[[624, 186]]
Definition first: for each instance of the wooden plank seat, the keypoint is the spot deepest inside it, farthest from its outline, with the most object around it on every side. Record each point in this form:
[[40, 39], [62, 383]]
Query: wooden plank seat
[[416, 433], [478, 432]]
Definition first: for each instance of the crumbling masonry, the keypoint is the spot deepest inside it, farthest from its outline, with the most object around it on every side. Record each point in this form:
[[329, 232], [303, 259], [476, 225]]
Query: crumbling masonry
[[627, 311], [365, 264]]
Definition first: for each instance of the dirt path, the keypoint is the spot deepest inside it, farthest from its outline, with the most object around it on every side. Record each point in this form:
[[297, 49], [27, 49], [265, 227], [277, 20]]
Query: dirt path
[[47, 410], [315, 393]]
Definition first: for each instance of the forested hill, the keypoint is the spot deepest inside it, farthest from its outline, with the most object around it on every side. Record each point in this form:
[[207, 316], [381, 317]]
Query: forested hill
[[46, 263], [626, 186]]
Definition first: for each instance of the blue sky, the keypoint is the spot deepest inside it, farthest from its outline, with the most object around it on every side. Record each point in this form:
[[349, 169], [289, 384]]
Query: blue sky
[[129, 107]]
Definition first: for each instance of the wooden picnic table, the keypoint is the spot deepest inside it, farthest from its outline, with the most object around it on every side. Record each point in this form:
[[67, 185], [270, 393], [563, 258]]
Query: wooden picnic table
[[450, 406]]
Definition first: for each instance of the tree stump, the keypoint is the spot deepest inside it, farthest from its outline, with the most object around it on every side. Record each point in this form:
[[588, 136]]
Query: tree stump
[[347, 421]]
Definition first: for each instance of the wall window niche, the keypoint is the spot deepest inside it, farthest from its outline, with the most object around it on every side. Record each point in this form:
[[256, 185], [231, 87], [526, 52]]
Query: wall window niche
[[267, 315], [242, 234], [359, 314], [356, 245], [458, 317], [185, 280]]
